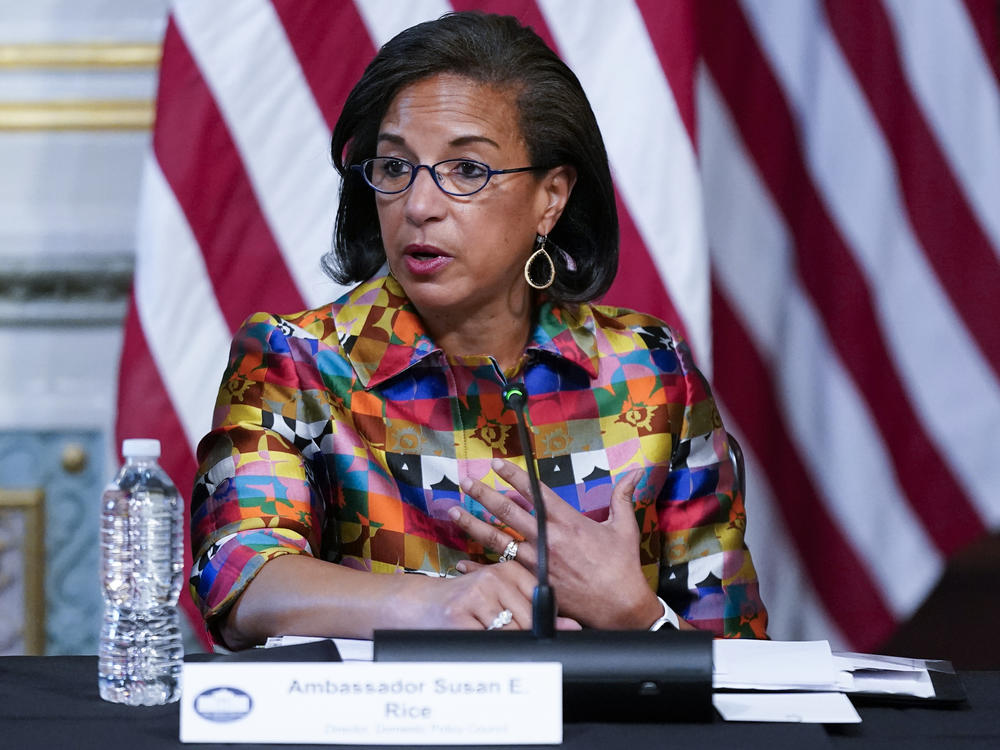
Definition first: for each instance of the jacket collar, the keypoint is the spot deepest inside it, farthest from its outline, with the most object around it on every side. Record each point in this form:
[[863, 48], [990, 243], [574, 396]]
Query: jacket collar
[[382, 334]]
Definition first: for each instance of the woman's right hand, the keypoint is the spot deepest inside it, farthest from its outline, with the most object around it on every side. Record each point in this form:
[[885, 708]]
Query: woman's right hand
[[476, 598]]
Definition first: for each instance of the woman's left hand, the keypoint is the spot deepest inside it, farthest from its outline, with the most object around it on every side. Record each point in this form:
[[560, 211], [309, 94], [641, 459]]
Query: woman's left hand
[[593, 566]]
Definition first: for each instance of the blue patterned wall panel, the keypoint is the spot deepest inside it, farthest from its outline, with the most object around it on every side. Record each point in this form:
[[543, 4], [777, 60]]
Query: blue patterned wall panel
[[72, 595]]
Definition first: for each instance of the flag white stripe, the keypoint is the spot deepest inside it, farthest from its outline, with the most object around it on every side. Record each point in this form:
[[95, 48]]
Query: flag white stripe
[[825, 415], [794, 610], [953, 82], [296, 187], [186, 333], [954, 390], [608, 47], [829, 421], [386, 18]]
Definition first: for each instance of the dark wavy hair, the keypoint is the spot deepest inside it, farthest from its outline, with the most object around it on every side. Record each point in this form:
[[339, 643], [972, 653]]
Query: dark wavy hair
[[555, 118]]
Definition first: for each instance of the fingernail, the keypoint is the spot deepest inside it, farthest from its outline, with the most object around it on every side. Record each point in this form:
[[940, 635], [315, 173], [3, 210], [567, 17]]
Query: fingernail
[[454, 513], [497, 464], [466, 484]]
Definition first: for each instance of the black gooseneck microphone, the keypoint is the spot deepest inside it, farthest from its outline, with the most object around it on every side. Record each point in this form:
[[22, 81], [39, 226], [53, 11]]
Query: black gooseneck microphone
[[543, 603]]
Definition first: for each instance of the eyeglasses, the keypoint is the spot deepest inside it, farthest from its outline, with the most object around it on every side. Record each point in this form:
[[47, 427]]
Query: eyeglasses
[[391, 175]]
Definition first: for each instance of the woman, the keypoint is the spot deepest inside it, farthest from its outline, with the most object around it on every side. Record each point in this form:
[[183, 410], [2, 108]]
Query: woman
[[369, 436]]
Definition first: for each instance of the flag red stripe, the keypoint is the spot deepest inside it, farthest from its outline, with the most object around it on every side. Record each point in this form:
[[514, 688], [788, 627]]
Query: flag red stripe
[[985, 17], [948, 230], [743, 381], [145, 410], [638, 285], [206, 174], [830, 274], [333, 52], [671, 29]]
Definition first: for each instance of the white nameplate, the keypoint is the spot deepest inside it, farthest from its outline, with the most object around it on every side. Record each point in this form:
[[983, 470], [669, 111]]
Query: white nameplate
[[385, 703]]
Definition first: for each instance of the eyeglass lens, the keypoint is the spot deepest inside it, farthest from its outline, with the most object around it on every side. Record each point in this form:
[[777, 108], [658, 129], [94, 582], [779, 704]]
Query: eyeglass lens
[[455, 176]]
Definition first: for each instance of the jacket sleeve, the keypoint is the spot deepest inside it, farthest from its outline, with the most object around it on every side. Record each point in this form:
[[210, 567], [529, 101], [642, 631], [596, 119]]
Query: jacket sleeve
[[706, 572], [253, 499]]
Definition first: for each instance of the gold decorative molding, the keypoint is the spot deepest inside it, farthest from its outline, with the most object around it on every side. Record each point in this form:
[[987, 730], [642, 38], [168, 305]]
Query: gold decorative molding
[[84, 114], [30, 505], [81, 55]]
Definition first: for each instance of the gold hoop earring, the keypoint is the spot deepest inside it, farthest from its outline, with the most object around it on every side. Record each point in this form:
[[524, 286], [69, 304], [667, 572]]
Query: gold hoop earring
[[539, 254]]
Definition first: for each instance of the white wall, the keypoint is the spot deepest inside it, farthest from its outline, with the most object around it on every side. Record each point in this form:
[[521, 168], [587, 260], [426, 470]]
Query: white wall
[[67, 207], [68, 200]]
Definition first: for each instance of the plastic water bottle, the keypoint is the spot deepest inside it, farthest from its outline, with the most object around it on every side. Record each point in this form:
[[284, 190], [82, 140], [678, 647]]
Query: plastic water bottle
[[142, 567]]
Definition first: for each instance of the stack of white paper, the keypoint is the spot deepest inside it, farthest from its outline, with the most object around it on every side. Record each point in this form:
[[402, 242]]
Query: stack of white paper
[[741, 664], [772, 666]]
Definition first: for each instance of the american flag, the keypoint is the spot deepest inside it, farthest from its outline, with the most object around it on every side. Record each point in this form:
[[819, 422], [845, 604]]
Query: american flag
[[808, 190]]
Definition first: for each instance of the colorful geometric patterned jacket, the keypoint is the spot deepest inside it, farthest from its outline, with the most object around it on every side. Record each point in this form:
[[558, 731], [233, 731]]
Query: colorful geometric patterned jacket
[[343, 432]]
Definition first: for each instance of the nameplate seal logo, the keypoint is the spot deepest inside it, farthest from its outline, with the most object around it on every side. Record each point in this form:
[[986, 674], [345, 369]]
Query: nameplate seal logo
[[222, 704]]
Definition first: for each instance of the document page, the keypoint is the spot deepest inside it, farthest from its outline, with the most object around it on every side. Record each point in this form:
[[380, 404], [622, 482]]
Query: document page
[[741, 664], [800, 708], [891, 675]]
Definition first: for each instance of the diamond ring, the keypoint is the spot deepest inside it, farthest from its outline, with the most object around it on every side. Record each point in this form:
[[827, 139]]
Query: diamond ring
[[510, 552]]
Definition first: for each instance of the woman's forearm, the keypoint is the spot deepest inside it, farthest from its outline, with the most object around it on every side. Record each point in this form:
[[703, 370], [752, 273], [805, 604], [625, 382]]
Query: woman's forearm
[[302, 595]]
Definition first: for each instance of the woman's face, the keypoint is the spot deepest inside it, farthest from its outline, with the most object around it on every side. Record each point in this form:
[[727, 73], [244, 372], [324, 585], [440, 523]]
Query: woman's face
[[463, 255]]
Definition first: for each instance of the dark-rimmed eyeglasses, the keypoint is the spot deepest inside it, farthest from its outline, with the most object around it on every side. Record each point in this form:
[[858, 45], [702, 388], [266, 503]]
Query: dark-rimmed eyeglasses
[[391, 175]]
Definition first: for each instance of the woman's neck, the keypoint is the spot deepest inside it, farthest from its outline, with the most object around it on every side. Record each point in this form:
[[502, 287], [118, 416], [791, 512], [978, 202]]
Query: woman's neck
[[501, 332]]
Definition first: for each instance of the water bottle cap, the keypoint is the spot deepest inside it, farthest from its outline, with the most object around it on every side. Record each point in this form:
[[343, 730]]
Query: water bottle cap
[[141, 447]]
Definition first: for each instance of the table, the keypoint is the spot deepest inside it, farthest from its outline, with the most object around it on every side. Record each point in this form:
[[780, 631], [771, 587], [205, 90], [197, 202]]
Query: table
[[52, 702]]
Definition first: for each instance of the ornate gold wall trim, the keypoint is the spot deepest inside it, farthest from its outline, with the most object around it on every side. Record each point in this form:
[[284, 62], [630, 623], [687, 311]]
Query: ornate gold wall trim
[[81, 55], [31, 505], [89, 114]]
